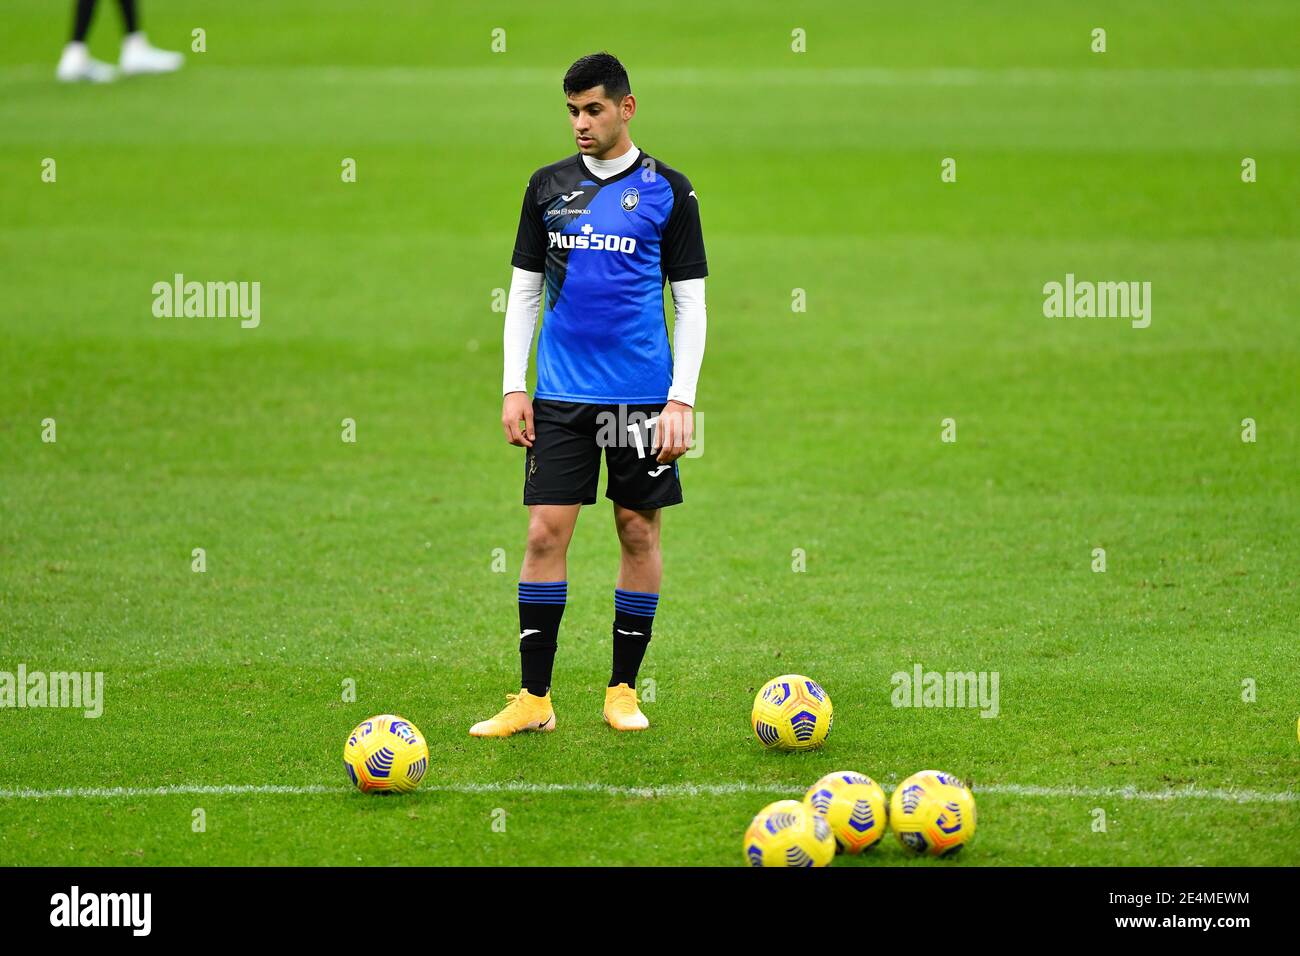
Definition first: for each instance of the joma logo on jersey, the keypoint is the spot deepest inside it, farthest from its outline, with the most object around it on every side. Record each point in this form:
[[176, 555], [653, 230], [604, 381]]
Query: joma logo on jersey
[[596, 241]]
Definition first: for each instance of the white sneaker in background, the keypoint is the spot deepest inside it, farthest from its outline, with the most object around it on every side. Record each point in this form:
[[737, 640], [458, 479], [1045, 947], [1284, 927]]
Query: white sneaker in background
[[76, 64], [139, 57]]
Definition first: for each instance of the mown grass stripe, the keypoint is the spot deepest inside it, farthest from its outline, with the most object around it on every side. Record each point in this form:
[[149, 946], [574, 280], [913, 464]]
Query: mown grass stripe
[[1221, 794]]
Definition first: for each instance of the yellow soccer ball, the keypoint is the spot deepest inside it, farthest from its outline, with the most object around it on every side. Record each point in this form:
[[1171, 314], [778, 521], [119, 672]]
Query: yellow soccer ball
[[855, 807], [787, 833], [386, 754], [933, 812], [792, 712]]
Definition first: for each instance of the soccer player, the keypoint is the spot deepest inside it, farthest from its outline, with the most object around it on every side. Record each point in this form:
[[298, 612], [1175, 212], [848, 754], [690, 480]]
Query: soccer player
[[138, 56], [602, 229]]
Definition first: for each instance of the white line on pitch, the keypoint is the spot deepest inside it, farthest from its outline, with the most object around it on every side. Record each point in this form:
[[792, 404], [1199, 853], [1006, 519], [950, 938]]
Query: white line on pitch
[[751, 77], [24, 793], [668, 790]]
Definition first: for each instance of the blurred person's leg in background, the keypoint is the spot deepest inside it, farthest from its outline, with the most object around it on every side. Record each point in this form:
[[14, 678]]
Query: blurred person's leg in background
[[138, 56]]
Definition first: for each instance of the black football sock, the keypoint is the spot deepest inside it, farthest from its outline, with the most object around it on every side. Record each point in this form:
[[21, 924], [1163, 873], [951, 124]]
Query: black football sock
[[82, 12], [129, 18], [541, 605], [634, 618]]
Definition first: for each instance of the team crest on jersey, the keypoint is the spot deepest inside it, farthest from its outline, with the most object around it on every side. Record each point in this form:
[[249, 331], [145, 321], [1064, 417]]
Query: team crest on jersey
[[631, 196]]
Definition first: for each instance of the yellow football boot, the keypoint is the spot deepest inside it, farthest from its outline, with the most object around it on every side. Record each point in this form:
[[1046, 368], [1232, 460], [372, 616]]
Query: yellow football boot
[[524, 712], [621, 710]]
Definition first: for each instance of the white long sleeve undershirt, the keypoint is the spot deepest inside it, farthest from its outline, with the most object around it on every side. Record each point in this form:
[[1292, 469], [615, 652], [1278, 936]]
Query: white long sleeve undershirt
[[605, 168], [689, 328], [689, 333], [521, 320]]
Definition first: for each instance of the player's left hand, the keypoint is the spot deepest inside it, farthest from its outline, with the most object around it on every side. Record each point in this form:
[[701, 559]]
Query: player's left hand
[[673, 432]]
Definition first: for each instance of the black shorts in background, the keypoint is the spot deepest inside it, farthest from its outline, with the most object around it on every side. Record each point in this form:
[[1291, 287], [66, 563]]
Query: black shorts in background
[[563, 466]]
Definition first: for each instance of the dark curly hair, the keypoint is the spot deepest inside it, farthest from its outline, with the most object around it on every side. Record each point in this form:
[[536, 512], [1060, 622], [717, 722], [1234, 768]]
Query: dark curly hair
[[598, 69]]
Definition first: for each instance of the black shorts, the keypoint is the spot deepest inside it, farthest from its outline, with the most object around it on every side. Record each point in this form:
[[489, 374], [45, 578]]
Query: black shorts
[[563, 466]]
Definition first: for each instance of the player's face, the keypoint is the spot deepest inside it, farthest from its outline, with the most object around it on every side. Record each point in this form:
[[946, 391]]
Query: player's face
[[598, 122]]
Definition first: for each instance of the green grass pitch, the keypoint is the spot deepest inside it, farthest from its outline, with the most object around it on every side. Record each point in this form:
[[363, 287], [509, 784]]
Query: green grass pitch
[[1163, 691]]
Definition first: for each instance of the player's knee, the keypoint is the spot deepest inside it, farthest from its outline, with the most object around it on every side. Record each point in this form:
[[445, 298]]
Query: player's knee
[[638, 535], [546, 537]]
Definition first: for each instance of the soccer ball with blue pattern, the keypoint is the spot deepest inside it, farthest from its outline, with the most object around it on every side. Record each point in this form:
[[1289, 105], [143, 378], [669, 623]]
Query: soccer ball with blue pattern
[[386, 754], [787, 833], [933, 813], [855, 807], [792, 712]]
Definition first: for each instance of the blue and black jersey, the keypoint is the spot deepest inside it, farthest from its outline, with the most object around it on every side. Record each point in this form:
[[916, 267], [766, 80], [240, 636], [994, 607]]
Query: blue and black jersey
[[606, 247]]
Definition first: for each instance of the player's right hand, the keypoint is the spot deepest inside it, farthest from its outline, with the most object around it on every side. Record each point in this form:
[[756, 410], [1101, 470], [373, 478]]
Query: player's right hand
[[517, 419]]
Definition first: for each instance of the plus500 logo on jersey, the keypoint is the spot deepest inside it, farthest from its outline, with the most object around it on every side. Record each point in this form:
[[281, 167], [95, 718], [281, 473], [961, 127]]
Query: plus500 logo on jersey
[[597, 241]]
